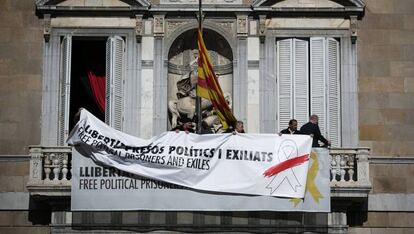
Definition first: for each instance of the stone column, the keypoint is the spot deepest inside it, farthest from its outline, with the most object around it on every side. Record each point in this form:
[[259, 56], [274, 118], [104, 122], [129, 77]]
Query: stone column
[[160, 81], [50, 91], [267, 70], [132, 113], [240, 80], [349, 93]]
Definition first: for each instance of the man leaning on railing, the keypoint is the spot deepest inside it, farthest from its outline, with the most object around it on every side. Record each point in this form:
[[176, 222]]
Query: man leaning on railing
[[312, 128]]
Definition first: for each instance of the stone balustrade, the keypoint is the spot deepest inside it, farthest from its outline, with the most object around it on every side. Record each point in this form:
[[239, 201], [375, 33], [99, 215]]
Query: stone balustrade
[[350, 172], [50, 171]]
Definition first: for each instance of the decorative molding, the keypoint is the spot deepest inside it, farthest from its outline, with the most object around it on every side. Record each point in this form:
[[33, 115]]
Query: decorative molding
[[143, 3], [205, 2], [46, 27], [351, 3], [173, 25], [223, 27], [353, 28], [226, 25], [159, 25], [242, 26], [14, 158], [352, 191], [139, 28], [262, 28], [391, 160]]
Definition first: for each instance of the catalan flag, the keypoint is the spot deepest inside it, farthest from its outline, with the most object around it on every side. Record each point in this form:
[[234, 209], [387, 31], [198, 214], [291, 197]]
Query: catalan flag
[[208, 86]]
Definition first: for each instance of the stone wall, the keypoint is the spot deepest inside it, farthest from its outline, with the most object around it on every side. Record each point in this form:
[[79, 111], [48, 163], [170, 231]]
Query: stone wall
[[386, 112], [15, 216], [20, 75], [386, 77]]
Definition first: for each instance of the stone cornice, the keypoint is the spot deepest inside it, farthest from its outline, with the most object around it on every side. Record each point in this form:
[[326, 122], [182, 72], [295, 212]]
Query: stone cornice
[[39, 3], [356, 3], [194, 8], [391, 160], [14, 158], [309, 12], [185, 9]]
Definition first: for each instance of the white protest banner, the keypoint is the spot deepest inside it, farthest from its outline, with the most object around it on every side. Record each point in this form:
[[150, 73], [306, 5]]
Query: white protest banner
[[254, 164], [97, 188]]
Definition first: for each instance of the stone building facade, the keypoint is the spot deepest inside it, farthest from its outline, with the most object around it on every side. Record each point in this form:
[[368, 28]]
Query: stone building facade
[[367, 81]]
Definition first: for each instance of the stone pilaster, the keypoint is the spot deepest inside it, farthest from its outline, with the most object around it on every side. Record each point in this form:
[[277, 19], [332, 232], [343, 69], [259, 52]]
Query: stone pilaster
[[240, 81], [160, 81]]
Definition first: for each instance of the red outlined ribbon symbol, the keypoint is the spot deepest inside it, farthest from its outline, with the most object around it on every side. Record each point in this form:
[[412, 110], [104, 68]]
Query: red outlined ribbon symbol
[[288, 158]]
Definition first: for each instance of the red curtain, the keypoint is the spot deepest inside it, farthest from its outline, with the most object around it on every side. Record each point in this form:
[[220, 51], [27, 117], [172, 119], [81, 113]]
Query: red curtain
[[98, 84]]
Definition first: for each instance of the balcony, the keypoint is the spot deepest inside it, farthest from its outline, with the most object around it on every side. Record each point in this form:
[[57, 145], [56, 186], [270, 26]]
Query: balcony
[[350, 172], [50, 172]]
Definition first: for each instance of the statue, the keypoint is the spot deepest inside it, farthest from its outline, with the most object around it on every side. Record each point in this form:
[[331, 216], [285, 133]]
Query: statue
[[184, 106]]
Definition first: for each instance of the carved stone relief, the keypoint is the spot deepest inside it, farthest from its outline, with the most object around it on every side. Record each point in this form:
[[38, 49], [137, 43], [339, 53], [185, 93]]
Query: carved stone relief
[[353, 28], [242, 27], [139, 28], [46, 27], [226, 25], [173, 25], [159, 25]]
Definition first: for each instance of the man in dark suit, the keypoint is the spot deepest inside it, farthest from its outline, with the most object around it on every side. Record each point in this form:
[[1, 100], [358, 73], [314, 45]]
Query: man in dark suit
[[312, 128], [238, 127], [292, 129], [187, 126]]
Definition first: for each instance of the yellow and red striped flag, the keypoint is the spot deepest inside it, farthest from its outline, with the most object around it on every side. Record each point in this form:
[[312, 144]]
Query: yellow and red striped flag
[[208, 86]]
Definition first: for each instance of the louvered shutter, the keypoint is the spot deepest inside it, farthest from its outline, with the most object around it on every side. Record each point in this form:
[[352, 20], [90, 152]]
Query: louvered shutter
[[301, 79], [318, 88], [284, 82], [114, 81], [65, 66], [333, 86]]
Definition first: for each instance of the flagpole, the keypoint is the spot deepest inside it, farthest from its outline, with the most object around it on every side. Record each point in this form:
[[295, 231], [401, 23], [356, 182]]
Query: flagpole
[[198, 99]]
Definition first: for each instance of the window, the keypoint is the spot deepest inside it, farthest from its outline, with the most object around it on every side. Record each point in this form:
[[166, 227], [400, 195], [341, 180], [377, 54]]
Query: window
[[79, 55], [309, 83]]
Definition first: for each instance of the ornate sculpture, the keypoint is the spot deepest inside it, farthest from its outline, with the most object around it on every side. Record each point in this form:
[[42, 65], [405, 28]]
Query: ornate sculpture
[[183, 107]]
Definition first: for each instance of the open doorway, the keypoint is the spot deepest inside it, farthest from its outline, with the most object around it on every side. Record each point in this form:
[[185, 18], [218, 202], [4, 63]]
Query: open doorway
[[88, 77]]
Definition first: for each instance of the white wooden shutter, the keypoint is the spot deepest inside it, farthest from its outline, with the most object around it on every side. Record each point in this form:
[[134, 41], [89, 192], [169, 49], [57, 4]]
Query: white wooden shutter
[[65, 67], [284, 82], [333, 85], [114, 104], [318, 89], [301, 79]]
